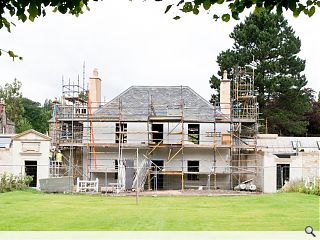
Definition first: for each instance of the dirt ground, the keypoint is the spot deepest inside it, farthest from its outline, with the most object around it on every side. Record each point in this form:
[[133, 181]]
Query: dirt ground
[[189, 192]]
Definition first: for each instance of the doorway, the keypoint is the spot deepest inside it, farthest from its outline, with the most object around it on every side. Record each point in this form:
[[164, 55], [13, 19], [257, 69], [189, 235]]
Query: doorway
[[283, 174], [31, 170], [157, 132], [156, 178]]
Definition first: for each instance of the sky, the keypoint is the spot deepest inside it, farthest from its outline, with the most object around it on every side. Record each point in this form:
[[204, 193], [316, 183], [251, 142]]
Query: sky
[[130, 43]]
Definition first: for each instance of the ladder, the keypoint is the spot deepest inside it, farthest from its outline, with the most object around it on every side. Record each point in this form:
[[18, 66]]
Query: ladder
[[141, 173]]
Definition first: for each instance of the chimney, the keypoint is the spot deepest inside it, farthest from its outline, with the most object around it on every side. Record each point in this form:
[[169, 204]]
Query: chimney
[[225, 102], [95, 90]]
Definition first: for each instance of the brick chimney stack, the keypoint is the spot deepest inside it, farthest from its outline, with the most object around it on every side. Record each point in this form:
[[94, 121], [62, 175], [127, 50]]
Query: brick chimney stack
[[95, 90], [225, 101]]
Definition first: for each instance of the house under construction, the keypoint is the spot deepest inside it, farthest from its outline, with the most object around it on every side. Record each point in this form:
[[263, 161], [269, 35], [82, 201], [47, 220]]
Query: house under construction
[[158, 137]]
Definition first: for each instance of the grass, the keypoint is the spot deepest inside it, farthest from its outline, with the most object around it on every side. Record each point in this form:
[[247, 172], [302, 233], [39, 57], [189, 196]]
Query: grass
[[38, 211]]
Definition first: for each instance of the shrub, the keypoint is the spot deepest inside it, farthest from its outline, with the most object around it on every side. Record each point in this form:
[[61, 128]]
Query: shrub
[[303, 186], [10, 182]]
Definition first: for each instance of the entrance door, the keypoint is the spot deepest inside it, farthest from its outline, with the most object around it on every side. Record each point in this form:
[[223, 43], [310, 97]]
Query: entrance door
[[31, 170], [156, 178], [283, 174]]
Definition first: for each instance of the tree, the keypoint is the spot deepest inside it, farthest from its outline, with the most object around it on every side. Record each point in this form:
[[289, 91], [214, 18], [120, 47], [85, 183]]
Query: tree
[[13, 98], [236, 7], [36, 115], [314, 115], [24, 112], [23, 125], [272, 43]]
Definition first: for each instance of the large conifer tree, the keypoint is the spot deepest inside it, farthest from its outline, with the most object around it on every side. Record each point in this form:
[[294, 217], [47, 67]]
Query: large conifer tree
[[271, 42]]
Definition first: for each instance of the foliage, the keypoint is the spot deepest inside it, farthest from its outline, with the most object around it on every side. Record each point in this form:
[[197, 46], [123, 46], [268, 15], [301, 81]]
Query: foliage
[[302, 186], [36, 115], [83, 95], [23, 125], [195, 213], [24, 112], [11, 93], [271, 42], [29, 9], [236, 7], [10, 53], [9, 182], [314, 115]]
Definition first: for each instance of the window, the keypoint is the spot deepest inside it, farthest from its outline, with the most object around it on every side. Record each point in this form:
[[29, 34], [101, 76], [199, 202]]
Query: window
[[121, 132], [116, 166], [193, 166], [157, 132], [5, 142], [193, 133], [296, 145]]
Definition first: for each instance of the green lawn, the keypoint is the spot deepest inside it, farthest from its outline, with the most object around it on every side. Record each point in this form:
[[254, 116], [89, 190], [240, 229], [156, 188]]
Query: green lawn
[[39, 211]]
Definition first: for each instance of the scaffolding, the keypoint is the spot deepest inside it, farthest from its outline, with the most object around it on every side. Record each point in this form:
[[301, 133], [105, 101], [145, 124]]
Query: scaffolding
[[244, 124], [80, 131]]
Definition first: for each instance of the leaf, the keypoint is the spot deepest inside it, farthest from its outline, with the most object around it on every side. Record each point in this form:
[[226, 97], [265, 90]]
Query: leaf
[[179, 3], [11, 54], [309, 3], [312, 10], [206, 4], [6, 24], [225, 17], [292, 5], [296, 12], [187, 7], [215, 17], [318, 3], [235, 15], [33, 11], [176, 17], [195, 10], [168, 8], [220, 1]]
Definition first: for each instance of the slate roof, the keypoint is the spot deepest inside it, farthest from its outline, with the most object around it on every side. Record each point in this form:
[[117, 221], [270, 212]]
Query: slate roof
[[280, 144], [135, 104]]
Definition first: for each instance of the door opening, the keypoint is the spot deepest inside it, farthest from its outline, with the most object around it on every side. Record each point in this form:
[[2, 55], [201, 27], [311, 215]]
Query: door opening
[[157, 132], [283, 174], [156, 178], [31, 170]]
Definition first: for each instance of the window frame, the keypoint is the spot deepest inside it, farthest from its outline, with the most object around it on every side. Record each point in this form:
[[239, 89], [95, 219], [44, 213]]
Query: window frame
[[193, 168]]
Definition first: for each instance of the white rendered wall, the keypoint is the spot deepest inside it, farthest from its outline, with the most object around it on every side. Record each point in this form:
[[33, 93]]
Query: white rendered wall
[[302, 166], [42, 157], [5, 160]]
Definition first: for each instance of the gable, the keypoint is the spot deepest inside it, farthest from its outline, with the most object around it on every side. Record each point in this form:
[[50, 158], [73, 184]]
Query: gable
[[31, 135]]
